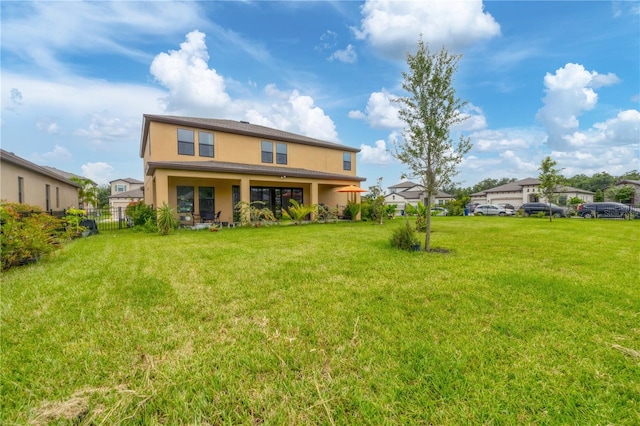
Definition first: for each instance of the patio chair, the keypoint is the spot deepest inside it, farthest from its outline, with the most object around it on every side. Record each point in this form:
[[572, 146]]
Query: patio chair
[[207, 217], [217, 218]]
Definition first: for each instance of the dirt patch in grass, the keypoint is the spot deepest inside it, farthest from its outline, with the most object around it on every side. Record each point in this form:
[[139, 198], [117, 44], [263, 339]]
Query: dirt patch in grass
[[75, 408]]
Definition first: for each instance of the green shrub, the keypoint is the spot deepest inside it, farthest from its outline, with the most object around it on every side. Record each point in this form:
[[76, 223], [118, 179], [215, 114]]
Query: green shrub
[[298, 212], [166, 220], [404, 238], [140, 213], [410, 210], [27, 234], [351, 210]]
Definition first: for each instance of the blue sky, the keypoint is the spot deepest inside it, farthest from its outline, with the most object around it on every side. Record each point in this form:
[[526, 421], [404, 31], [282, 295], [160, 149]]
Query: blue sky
[[541, 78]]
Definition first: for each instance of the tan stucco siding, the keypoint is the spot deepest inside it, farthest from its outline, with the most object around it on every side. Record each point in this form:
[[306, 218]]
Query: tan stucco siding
[[243, 149], [62, 194], [167, 181]]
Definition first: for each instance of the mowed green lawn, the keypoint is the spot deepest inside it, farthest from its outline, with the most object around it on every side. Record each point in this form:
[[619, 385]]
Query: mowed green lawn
[[522, 322]]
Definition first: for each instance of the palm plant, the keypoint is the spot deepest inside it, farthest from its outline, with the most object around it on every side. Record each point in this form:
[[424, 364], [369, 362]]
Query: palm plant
[[297, 212], [166, 221]]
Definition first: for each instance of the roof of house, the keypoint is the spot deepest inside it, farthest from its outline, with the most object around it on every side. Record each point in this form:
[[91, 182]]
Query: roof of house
[[236, 127], [628, 181], [418, 195], [405, 184], [134, 193], [564, 188], [517, 185], [10, 157], [225, 167], [128, 180], [64, 174]]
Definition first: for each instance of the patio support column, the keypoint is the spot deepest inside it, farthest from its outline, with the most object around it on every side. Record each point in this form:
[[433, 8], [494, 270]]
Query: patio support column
[[245, 190], [245, 194], [314, 197], [162, 189]]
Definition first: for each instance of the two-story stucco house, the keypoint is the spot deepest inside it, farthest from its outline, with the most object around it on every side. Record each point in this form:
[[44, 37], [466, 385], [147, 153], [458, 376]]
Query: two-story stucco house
[[125, 191], [27, 183], [202, 166]]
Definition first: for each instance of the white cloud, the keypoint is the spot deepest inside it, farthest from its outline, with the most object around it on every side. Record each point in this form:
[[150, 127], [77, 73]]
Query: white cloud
[[48, 125], [43, 31], [99, 172], [506, 139], [196, 89], [380, 112], [392, 27], [624, 129], [58, 155], [292, 112], [78, 96], [191, 83], [379, 153], [474, 119], [348, 55], [104, 127], [569, 93]]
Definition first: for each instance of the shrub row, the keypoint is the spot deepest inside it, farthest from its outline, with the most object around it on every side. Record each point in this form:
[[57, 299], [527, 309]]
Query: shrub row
[[28, 233]]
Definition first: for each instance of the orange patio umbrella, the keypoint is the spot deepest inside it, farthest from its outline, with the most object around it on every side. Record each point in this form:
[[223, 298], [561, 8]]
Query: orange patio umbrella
[[351, 189]]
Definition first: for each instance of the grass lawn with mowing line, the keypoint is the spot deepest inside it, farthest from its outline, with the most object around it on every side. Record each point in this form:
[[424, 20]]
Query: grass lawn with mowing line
[[523, 321]]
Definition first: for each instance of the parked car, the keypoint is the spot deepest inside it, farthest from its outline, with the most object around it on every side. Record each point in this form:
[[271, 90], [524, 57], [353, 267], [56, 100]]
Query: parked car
[[528, 209], [490, 210], [608, 210], [508, 207], [439, 211]]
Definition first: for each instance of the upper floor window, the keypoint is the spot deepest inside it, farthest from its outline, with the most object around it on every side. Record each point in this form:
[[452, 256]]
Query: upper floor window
[[267, 152], [346, 161], [185, 142], [281, 153], [205, 144], [119, 187]]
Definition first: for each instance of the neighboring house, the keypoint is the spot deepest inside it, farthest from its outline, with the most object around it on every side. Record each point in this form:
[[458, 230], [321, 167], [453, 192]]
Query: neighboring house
[[201, 166], [125, 185], [527, 191], [405, 193], [125, 191], [27, 183], [122, 199], [635, 199]]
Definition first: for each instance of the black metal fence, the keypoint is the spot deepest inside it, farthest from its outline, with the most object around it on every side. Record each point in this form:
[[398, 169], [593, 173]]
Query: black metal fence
[[106, 219]]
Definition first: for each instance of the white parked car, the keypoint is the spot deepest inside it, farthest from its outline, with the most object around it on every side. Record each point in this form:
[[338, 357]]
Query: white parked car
[[491, 210]]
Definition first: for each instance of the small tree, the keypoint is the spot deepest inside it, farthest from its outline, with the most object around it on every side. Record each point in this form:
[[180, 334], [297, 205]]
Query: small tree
[[549, 178], [87, 193], [621, 194], [429, 112], [598, 196], [377, 202]]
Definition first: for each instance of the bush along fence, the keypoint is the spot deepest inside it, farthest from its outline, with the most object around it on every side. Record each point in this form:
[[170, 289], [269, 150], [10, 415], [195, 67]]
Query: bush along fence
[[103, 219], [28, 233]]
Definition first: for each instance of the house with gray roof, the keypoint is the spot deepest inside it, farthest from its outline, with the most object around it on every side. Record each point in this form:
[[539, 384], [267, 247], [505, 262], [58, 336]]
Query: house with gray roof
[[205, 166], [28, 183], [410, 193], [527, 191]]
